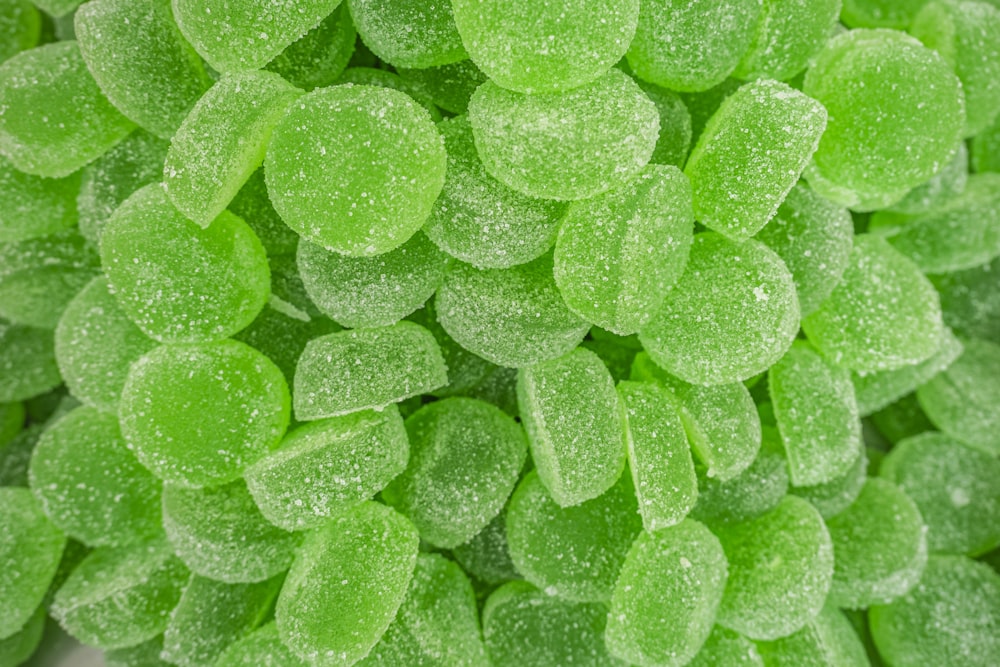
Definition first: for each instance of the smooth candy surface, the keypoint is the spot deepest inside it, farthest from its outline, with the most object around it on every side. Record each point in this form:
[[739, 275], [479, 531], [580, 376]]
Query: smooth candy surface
[[20, 26], [27, 362], [788, 35], [415, 33], [486, 556], [826, 641], [31, 207], [260, 648], [320, 56]]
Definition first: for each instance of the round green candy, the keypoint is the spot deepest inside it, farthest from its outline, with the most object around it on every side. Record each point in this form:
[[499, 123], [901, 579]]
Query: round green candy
[[832, 497], [414, 33], [320, 56], [282, 331], [788, 34], [31, 206], [260, 648], [178, 282], [570, 145], [20, 27], [939, 189], [19, 647], [199, 415], [826, 641], [732, 315], [253, 205], [355, 169], [970, 300], [725, 647], [383, 78], [674, 141], [486, 557], [448, 86], [27, 362], [880, 13]]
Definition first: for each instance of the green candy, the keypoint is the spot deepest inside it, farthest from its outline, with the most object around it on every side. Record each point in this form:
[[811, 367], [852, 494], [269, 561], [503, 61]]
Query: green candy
[[382, 78], [902, 419], [252, 204], [466, 371], [57, 8], [675, 125], [12, 416], [282, 331], [832, 497], [33, 207], [826, 641], [486, 556], [984, 149], [260, 648], [725, 647], [415, 33], [880, 13], [146, 654], [20, 27], [970, 300], [320, 56], [788, 34], [18, 648], [939, 189], [448, 86]]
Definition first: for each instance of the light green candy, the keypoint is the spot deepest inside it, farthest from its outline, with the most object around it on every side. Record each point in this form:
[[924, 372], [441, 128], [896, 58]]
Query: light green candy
[[725, 647], [32, 207], [788, 34], [486, 556], [466, 371], [414, 33], [450, 490], [666, 596], [355, 169], [742, 298], [883, 315], [703, 105], [325, 467], [146, 654], [985, 149], [260, 648], [20, 646], [902, 419], [327, 622], [674, 141], [826, 641], [571, 145], [832, 497], [282, 331], [223, 141], [880, 13], [939, 189], [20, 27], [27, 362], [448, 86], [320, 56], [252, 204], [57, 8], [970, 300], [750, 154], [618, 254]]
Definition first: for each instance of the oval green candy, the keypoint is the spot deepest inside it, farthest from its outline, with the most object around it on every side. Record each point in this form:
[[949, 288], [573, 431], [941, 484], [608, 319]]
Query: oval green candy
[[31, 206], [826, 641], [832, 497], [788, 34]]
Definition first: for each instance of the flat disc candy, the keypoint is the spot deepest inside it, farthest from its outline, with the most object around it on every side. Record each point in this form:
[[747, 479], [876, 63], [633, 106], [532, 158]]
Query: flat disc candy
[[355, 169], [31, 206], [415, 33], [826, 641]]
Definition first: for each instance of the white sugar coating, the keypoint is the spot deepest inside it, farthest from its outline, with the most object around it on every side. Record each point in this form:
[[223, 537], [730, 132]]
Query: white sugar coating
[[486, 557], [372, 291], [571, 145], [282, 331], [199, 415], [414, 33], [691, 46], [448, 86], [383, 78], [90, 485], [970, 300], [223, 141], [732, 315], [831, 498], [813, 236], [570, 411], [320, 56], [326, 467], [27, 362], [618, 254], [53, 117], [364, 369], [438, 622], [658, 455], [20, 27], [955, 488], [513, 317], [355, 169], [725, 647], [961, 400], [780, 570], [95, 344], [451, 490], [939, 189], [883, 315], [252, 204], [466, 371], [30, 549], [788, 35], [31, 206], [260, 648], [118, 597], [666, 597], [543, 48], [346, 585], [952, 617], [674, 141], [219, 533], [481, 221], [826, 641]]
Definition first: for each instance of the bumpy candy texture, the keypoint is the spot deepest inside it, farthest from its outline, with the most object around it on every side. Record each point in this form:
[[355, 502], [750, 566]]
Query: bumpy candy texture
[[725, 647], [826, 641], [31, 206], [448, 86], [674, 141], [411, 33], [788, 35], [260, 648], [320, 56], [27, 362], [938, 189]]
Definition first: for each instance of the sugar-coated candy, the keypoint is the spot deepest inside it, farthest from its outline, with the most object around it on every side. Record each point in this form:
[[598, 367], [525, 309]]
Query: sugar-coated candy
[[486, 556], [955, 488], [146, 654], [725, 647], [618, 254], [732, 314], [951, 618], [53, 117], [223, 140], [703, 105], [883, 315], [320, 56], [448, 86], [787, 36], [674, 141], [31, 206], [282, 331], [828, 640], [750, 154], [939, 189], [383, 78], [20, 28], [260, 648], [879, 13], [18, 647], [691, 46], [416, 33], [325, 467], [780, 570], [985, 156], [450, 491], [252, 204], [57, 8], [571, 552], [118, 597], [666, 597], [617, 352], [902, 419], [30, 549], [355, 169], [832, 497], [970, 300], [570, 145], [466, 371], [184, 410], [346, 585]]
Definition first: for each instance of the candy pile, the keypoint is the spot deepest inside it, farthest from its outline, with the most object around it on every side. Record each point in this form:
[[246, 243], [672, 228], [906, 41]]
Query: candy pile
[[546, 333]]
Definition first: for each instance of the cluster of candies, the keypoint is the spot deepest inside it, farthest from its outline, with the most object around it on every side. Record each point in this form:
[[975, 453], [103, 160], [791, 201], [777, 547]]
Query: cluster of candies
[[319, 276]]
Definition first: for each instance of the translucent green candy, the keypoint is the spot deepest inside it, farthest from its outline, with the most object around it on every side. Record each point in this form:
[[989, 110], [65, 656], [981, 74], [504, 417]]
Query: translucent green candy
[[750, 155], [223, 141], [572, 552], [53, 117], [486, 556], [141, 61], [962, 400], [346, 585], [20, 26], [448, 86], [478, 219], [451, 490], [260, 648], [17, 648], [524, 627], [970, 300], [328, 466], [949, 618], [725, 647], [146, 654], [282, 331], [896, 116], [31, 206], [788, 35], [780, 570], [691, 46], [383, 78], [731, 316], [826, 641], [955, 488], [570, 410], [618, 254], [372, 291], [252, 204], [355, 169], [30, 549], [902, 419], [675, 125], [572, 145], [832, 497], [319, 57], [512, 317], [57, 8], [121, 597], [666, 597], [939, 189], [883, 315], [199, 415], [466, 371], [546, 48], [438, 622], [880, 13], [985, 156], [416, 33]]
